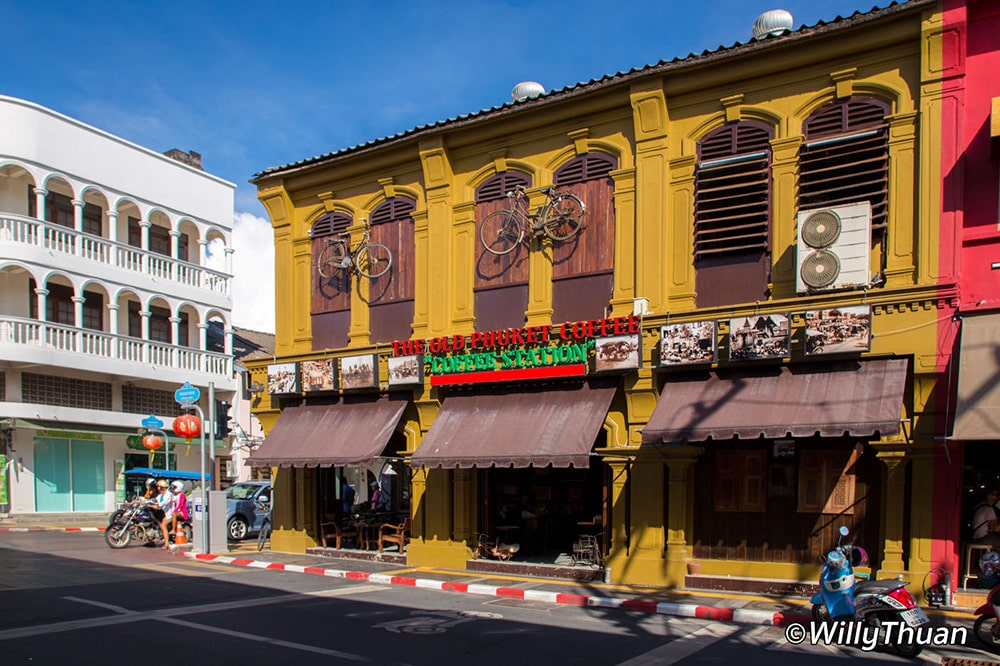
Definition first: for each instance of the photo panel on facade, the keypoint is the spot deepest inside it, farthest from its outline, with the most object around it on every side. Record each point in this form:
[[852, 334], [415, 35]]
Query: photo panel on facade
[[319, 375], [688, 343], [621, 352], [359, 372], [283, 378], [839, 330], [406, 370], [757, 337]]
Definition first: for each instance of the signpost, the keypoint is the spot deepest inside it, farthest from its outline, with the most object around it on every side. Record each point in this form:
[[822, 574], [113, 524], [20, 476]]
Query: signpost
[[187, 396], [155, 426]]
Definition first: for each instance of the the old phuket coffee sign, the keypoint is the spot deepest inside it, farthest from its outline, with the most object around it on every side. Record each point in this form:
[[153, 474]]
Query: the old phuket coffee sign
[[531, 352]]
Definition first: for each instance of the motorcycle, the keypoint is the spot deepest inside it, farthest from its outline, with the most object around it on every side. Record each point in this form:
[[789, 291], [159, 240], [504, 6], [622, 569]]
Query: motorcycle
[[987, 626], [873, 602], [136, 520]]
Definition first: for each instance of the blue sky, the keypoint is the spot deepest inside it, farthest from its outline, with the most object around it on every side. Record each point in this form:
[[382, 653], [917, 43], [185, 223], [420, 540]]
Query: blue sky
[[255, 84]]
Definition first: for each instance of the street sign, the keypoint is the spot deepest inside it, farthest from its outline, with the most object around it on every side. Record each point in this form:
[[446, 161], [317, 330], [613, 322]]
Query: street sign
[[152, 422], [187, 394]]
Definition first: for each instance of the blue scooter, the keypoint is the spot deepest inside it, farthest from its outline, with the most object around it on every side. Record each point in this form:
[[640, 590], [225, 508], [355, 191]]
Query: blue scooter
[[873, 602]]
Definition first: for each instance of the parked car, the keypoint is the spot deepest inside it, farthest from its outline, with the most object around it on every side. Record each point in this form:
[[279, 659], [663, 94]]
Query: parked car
[[244, 514]]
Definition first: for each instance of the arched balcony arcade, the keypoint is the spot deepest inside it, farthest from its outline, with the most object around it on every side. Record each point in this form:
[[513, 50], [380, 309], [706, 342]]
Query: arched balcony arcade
[[86, 224], [53, 318]]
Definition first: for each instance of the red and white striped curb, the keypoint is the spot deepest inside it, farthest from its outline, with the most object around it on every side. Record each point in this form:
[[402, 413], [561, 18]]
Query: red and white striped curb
[[737, 615]]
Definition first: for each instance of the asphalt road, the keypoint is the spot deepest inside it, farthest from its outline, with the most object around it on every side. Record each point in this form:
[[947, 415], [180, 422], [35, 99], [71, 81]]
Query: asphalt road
[[66, 598]]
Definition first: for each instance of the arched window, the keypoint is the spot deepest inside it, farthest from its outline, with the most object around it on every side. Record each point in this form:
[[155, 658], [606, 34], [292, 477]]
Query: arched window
[[331, 297], [732, 214], [583, 267], [390, 297], [845, 157], [501, 285]]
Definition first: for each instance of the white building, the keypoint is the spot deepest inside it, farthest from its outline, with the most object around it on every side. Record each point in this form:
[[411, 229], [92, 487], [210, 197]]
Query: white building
[[105, 303]]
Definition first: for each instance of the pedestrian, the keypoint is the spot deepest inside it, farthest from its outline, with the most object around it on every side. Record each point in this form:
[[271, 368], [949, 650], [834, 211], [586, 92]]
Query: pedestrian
[[347, 495], [985, 524], [376, 503]]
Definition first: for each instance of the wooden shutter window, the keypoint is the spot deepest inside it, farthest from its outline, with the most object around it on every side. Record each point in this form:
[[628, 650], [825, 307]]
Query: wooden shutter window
[[740, 481], [591, 166], [845, 158], [732, 208], [330, 224], [827, 481], [499, 185], [392, 210]]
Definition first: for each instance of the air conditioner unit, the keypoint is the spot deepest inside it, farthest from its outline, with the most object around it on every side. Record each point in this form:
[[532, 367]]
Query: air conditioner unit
[[834, 248]]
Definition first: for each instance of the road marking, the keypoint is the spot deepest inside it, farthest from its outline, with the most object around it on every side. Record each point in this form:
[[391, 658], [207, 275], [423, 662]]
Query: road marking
[[101, 604], [683, 647], [165, 613], [269, 641]]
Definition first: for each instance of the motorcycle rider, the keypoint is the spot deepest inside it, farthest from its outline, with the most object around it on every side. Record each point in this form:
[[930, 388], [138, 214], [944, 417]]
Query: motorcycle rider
[[178, 511], [164, 501]]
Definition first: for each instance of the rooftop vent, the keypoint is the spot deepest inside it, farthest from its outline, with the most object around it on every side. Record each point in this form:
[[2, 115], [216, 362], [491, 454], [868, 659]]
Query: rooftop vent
[[772, 22], [526, 90]]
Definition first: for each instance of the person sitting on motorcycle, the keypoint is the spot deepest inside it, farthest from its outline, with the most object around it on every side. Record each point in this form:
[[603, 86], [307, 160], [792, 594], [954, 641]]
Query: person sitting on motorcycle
[[164, 502], [178, 511], [150, 499]]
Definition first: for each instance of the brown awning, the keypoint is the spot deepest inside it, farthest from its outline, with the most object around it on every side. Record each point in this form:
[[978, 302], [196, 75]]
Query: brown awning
[[857, 398], [352, 431], [517, 428], [977, 415]]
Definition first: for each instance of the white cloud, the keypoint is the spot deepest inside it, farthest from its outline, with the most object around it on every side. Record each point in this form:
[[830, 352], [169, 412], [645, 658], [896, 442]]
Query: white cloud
[[253, 271]]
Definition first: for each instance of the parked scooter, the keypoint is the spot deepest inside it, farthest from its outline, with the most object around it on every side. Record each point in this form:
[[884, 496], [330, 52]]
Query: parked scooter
[[137, 520], [987, 626], [874, 602]]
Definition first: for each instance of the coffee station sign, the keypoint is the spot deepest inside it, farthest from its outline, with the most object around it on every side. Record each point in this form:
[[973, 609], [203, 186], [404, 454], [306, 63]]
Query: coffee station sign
[[530, 352]]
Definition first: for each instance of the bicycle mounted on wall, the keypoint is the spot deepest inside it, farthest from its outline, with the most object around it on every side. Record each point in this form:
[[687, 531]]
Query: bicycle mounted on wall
[[560, 218], [367, 259]]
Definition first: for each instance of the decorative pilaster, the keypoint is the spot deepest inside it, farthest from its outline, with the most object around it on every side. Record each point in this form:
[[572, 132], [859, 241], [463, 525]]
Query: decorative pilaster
[[892, 453]]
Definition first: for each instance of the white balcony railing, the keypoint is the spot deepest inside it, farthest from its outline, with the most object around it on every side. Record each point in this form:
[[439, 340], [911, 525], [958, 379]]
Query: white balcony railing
[[18, 332], [43, 235]]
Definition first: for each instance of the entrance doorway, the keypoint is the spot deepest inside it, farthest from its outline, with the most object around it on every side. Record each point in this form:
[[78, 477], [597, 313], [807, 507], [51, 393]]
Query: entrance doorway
[[543, 510]]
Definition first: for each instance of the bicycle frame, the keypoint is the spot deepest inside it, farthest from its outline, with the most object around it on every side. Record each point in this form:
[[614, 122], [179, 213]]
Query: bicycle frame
[[368, 259], [559, 218]]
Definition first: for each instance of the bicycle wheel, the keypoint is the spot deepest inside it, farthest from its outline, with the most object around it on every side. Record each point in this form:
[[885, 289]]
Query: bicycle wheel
[[563, 217], [373, 260], [264, 534], [331, 259], [501, 232]]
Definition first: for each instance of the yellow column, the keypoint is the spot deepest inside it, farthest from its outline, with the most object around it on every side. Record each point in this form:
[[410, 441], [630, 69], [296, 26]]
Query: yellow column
[[617, 551], [652, 256], [680, 461], [539, 271], [680, 268], [624, 294], [784, 181], [892, 453]]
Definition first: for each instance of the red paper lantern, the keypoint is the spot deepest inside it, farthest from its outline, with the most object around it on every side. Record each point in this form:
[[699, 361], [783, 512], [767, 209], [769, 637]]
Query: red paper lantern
[[152, 442], [187, 426]]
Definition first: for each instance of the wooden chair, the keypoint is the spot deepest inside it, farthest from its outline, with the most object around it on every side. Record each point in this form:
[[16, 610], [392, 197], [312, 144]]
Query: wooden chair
[[397, 534], [334, 531]]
